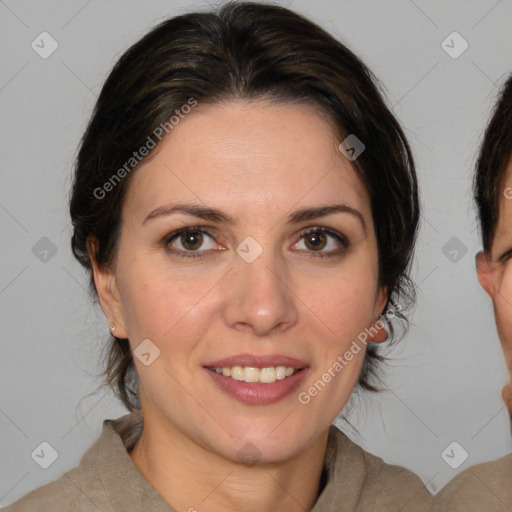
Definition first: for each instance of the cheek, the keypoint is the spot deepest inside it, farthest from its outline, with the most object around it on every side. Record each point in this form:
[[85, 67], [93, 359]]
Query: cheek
[[157, 304], [347, 302]]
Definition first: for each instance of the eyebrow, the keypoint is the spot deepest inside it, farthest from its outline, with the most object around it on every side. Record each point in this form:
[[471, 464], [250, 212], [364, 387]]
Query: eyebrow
[[215, 215]]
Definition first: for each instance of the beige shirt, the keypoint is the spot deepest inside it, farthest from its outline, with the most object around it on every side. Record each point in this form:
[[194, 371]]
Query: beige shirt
[[107, 480], [481, 488]]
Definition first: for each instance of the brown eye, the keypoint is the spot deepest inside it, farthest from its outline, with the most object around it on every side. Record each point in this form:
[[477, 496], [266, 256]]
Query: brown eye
[[506, 256], [316, 240], [191, 241], [323, 242]]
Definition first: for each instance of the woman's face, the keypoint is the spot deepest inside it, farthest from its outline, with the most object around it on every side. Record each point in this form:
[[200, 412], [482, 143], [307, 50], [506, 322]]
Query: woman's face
[[495, 274], [245, 284]]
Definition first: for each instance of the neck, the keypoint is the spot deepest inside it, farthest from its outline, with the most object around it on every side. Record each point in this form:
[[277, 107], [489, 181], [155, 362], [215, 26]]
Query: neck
[[191, 478]]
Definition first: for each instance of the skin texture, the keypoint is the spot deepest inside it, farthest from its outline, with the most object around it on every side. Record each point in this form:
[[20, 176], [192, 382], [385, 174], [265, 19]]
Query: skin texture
[[258, 162], [495, 275]]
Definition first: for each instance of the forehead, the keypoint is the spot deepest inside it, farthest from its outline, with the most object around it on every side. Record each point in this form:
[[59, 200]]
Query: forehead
[[247, 156]]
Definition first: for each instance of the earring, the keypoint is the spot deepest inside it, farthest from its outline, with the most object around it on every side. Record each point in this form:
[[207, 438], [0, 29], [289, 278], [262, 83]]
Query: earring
[[112, 329]]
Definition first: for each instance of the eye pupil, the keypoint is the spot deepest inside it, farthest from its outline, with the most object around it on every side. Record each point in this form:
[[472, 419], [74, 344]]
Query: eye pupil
[[192, 240], [314, 240]]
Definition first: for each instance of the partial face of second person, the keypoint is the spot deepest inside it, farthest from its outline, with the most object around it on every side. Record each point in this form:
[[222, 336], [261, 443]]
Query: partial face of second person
[[306, 296], [495, 275]]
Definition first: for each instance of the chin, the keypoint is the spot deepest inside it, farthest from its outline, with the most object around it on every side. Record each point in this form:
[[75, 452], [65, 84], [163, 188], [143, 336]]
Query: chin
[[261, 442], [261, 451]]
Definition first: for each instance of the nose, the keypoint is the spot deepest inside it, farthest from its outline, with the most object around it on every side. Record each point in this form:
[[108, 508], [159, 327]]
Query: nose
[[259, 299]]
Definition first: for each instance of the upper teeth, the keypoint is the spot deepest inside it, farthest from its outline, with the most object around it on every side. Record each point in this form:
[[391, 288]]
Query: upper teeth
[[250, 374]]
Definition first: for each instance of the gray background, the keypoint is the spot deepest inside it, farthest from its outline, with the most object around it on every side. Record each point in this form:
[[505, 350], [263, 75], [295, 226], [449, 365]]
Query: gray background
[[445, 377]]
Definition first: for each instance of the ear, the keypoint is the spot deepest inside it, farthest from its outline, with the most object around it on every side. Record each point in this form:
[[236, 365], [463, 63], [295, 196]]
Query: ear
[[485, 270], [506, 395], [108, 294], [377, 332]]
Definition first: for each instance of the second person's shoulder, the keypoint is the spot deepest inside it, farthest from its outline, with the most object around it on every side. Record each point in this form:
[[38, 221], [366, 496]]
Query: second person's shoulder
[[485, 486]]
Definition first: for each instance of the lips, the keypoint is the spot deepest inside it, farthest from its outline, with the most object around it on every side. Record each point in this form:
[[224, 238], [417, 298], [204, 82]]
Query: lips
[[255, 361], [268, 390], [253, 393]]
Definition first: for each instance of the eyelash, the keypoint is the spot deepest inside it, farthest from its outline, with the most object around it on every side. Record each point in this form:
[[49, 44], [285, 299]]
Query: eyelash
[[342, 239]]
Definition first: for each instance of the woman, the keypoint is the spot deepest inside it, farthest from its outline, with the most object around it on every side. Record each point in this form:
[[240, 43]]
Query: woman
[[487, 486], [247, 207]]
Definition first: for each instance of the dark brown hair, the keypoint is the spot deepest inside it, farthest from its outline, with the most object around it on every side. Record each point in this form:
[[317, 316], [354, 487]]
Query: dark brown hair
[[243, 50], [493, 157]]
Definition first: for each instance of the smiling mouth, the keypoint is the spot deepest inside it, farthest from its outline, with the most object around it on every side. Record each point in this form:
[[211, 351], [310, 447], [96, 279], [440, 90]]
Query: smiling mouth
[[249, 374]]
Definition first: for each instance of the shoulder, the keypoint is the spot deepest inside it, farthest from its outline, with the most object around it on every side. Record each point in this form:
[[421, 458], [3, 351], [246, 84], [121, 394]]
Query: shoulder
[[375, 485], [86, 487], [486, 486], [61, 495]]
